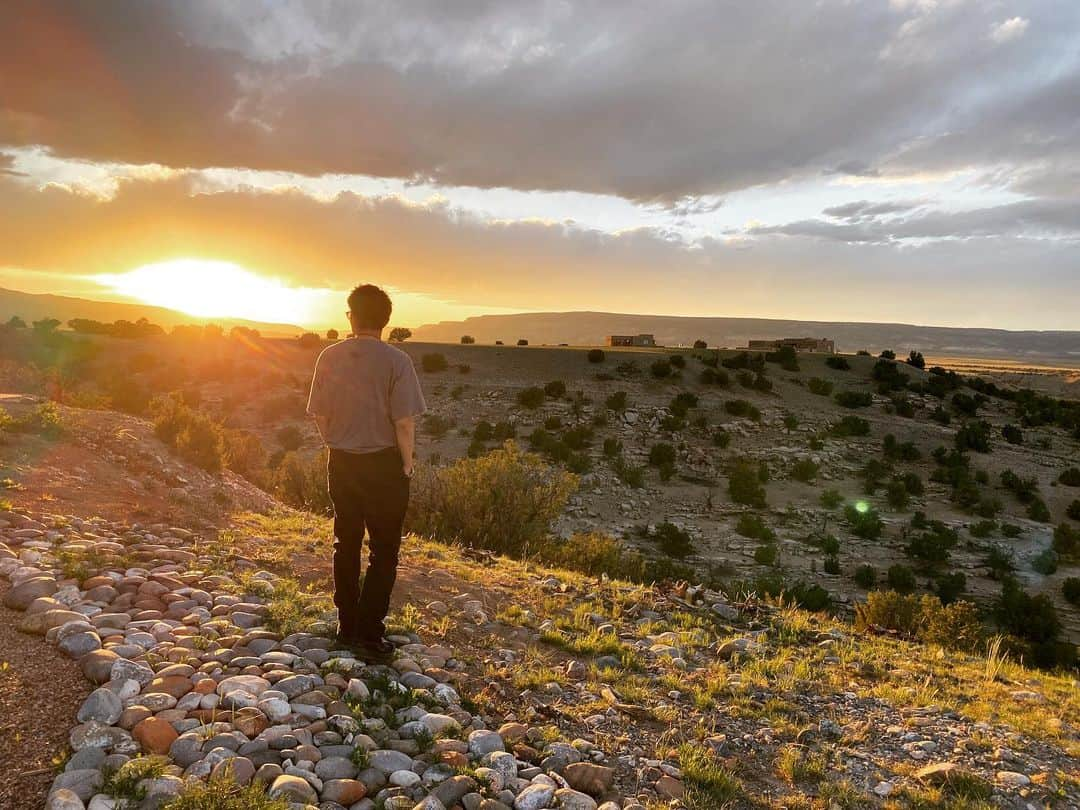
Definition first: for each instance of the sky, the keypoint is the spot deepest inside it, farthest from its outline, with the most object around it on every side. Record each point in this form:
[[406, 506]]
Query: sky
[[908, 161]]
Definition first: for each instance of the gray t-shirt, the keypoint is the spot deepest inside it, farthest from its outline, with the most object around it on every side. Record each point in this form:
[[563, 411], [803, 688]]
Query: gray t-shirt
[[361, 386]]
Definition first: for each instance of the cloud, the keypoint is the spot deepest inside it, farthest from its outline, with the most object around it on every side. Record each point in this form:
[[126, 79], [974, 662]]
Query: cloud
[[1010, 29], [802, 270], [593, 97], [1058, 218], [863, 209]]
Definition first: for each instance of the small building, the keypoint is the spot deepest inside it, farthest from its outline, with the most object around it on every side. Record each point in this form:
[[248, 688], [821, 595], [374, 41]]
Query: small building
[[807, 344], [631, 340]]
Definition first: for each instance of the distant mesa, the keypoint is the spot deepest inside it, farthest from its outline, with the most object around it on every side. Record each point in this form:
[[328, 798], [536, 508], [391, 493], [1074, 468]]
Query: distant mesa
[[585, 328]]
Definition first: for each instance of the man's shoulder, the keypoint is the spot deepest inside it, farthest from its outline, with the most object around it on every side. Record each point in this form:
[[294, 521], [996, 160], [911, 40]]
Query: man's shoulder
[[398, 356], [333, 351]]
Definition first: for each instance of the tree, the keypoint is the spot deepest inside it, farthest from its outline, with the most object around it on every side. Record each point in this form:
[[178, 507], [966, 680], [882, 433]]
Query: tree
[[332, 334], [15, 322], [700, 344], [916, 359], [522, 342], [309, 340], [46, 325], [467, 340], [888, 354], [399, 334]]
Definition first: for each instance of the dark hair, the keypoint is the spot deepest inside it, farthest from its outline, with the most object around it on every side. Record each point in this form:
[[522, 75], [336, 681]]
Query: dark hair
[[370, 307]]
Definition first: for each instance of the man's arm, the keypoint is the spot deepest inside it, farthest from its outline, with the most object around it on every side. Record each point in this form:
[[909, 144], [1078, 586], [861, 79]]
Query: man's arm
[[405, 429], [321, 424]]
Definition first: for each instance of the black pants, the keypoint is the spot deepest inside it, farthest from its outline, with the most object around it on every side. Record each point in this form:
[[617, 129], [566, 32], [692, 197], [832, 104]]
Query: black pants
[[369, 490]]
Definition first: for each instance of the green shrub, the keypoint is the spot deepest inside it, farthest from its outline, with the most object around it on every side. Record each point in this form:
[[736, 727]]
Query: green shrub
[[1073, 510], [434, 362], [967, 405], [677, 361], [864, 523], [850, 426], [595, 355], [1070, 477], [245, 455], [934, 544], [899, 451], [974, 435], [831, 499], [1070, 589], [956, 626], [531, 398], [612, 447], [616, 402], [1046, 562], [983, 529], [754, 527], [853, 399], [300, 481], [900, 578], [940, 415], [721, 438], [1038, 511], [672, 540], [504, 501], [949, 587], [838, 363], [484, 431], [1034, 620], [627, 473], [888, 377], [436, 425], [682, 402], [1012, 434], [1067, 541], [223, 793], [916, 359], [661, 453], [290, 437], [765, 554], [556, 389], [866, 576], [805, 470], [744, 484], [713, 376], [1010, 530], [740, 407], [660, 369], [831, 565], [822, 388]]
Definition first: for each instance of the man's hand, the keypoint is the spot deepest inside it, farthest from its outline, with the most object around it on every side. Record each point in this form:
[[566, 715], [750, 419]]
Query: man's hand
[[406, 439]]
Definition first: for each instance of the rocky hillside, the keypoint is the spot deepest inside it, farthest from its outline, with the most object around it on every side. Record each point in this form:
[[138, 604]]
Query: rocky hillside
[[214, 682]]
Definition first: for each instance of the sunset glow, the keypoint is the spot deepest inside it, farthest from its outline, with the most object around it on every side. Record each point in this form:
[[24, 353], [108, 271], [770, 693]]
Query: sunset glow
[[214, 289]]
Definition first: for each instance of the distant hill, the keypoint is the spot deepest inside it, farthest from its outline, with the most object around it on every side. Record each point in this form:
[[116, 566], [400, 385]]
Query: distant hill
[[33, 307], [590, 328]]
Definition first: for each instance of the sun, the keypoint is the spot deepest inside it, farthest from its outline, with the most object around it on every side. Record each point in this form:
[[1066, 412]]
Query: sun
[[209, 288]]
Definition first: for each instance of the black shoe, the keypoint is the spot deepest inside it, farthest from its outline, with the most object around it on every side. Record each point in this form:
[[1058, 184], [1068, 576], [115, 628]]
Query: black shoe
[[377, 649]]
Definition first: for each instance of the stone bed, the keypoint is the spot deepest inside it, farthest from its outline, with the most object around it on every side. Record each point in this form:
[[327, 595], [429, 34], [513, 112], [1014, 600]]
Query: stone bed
[[187, 671]]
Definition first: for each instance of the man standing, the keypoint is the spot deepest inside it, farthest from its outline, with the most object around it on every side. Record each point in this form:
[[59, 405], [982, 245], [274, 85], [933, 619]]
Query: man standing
[[365, 398]]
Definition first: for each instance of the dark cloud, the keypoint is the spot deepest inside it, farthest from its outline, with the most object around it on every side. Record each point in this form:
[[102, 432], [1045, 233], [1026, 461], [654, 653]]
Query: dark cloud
[[601, 97], [862, 209], [6, 164], [1058, 218]]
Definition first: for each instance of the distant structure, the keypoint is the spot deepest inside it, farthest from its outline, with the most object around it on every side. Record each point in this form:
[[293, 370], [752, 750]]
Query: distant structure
[[631, 340], [807, 344]]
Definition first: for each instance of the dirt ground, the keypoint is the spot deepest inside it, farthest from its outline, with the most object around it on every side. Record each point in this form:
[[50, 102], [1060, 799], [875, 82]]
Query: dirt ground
[[40, 692]]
